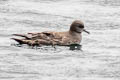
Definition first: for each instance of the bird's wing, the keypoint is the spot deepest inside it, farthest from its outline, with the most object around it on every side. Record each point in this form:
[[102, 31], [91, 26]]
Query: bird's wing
[[22, 35], [39, 38], [43, 35]]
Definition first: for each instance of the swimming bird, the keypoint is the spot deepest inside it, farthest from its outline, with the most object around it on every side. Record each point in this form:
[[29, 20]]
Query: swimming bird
[[72, 36]]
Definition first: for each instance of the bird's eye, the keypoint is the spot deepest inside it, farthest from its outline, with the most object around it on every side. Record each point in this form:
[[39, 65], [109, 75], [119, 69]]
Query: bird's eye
[[81, 26]]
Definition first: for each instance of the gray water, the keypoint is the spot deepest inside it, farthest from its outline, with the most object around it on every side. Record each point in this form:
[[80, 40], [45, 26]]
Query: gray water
[[99, 60]]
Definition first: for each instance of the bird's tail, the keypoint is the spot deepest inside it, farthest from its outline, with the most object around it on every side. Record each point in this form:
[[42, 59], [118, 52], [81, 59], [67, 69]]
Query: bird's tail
[[21, 35], [20, 41]]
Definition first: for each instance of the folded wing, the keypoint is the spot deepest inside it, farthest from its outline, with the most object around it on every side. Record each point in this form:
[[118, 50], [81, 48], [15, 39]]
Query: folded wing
[[46, 38]]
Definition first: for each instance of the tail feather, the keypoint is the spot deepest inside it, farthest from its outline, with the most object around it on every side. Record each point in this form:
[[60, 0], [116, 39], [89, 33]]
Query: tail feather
[[23, 41], [21, 35], [18, 40]]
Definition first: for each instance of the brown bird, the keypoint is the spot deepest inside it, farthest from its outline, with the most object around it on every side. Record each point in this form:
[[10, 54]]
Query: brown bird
[[73, 36]]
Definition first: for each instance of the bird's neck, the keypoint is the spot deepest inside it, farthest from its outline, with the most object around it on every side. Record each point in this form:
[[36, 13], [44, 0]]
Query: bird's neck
[[74, 33]]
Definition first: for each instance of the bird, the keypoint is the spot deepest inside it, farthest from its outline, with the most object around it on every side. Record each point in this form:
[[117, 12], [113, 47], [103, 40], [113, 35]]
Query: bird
[[66, 38]]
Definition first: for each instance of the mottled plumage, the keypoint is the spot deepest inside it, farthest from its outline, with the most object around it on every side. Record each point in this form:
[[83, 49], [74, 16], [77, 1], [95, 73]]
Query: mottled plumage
[[73, 36]]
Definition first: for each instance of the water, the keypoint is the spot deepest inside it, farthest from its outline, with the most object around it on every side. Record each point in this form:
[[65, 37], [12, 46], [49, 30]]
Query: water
[[99, 60]]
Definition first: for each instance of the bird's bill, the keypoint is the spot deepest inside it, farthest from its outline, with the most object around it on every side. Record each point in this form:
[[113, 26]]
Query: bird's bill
[[86, 31]]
